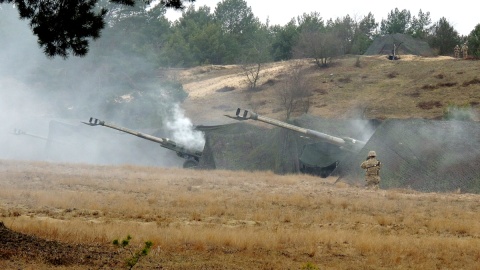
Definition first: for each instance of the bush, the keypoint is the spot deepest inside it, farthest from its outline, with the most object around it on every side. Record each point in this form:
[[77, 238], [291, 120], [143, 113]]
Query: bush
[[358, 63], [309, 266], [134, 256]]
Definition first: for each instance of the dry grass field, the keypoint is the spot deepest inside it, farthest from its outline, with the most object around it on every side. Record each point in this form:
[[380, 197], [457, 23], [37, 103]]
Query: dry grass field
[[65, 216]]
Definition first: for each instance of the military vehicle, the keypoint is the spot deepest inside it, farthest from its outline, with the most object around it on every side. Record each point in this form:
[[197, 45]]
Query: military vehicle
[[317, 157], [192, 157]]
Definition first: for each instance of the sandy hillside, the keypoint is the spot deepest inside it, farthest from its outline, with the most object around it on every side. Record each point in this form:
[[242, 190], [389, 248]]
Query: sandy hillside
[[217, 90], [376, 88]]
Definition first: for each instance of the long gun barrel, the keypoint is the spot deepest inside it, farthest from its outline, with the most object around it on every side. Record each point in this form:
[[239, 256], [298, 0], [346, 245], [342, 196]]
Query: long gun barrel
[[22, 132], [182, 151], [345, 142], [49, 140]]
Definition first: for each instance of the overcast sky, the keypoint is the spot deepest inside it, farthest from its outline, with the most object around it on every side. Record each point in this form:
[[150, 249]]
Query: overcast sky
[[463, 17]]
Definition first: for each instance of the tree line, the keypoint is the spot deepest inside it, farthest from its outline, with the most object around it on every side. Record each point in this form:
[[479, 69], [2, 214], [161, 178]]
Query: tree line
[[124, 45], [229, 34]]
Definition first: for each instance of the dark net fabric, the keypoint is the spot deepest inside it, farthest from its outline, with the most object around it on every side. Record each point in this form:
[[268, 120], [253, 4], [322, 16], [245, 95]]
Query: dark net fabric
[[405, 44], [425, 155], [246, 146], [317, 153], [242, 146]]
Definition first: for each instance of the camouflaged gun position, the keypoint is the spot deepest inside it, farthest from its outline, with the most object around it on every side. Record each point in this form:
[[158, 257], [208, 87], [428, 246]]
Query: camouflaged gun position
[[192, 157], [318, 158]]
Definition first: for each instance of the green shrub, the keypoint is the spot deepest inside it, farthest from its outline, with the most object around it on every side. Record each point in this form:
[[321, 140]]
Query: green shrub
[[134, 256], [310, 266]]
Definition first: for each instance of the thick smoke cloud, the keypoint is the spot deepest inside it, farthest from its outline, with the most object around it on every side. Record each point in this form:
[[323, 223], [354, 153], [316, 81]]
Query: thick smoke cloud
[[43, 102], [20, 107], [183, 131]]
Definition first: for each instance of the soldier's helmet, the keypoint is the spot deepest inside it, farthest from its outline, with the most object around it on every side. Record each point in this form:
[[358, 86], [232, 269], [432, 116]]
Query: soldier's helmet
[[372, 154]]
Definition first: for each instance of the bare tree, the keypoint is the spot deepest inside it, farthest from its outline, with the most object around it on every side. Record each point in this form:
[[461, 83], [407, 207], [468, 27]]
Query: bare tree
[[294, 95], [319, 45], [257, 54], [252, 72]]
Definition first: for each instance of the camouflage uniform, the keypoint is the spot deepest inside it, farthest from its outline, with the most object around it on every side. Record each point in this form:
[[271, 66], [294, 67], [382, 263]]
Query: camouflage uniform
[[372, 170], [465, 50], [456, 51]]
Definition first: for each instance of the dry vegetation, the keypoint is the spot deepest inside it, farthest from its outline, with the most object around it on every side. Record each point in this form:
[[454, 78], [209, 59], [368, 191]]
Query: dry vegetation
[[365, 86], [232, 220]]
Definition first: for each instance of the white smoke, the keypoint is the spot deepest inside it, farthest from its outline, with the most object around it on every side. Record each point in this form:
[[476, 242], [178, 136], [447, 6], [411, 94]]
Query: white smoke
[[20, 113], [363, 128], [35, 101], [360, 125], [462, 113], [183, 131]]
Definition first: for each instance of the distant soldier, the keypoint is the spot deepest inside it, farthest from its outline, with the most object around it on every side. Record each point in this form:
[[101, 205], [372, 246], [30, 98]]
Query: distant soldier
[[465, 50], [372, 170], [456, 51]]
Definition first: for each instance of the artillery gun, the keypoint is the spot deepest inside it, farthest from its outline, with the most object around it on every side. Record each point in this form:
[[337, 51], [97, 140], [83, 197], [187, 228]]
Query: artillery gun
[[332, 149], [192, 157], [19, 132], [394, 54], [22, 132], [346, 143]]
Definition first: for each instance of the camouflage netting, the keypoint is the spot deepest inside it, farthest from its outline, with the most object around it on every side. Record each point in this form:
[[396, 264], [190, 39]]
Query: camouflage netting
[[241, 146], [244, 146], [406, 44], [319, 154], [425, 155]]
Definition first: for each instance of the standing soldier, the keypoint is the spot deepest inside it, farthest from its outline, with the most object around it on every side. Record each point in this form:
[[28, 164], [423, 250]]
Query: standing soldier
[[456, 51], [465, 50], [372, 170]]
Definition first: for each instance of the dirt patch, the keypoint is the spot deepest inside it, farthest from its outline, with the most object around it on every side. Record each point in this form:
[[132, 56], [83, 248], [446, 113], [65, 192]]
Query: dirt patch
[[18, 246], [428, 105], [226, 89], [474, 81]]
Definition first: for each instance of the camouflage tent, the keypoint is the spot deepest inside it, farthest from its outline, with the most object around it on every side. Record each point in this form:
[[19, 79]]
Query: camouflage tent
[[406, 44], [425, 155]]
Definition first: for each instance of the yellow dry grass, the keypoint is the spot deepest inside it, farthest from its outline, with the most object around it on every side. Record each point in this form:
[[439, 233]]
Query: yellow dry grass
[[241, 220]]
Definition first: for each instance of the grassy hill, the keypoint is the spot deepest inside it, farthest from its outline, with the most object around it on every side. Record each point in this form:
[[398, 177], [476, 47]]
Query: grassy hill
[[352, 87]]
